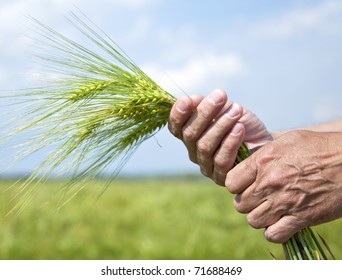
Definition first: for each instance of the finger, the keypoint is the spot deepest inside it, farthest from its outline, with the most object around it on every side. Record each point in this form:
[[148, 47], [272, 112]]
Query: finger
[[224, 157], [248, 200], [196, 100], [283, 229], [213, 136], [205, 112], [252, 197], [207, 145], [191, 147], [181, 112], [211, 139], [264, 215], [242, 175]]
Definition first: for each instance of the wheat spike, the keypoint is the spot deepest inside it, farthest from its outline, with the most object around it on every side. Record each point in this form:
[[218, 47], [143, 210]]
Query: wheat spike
[[99, 110]]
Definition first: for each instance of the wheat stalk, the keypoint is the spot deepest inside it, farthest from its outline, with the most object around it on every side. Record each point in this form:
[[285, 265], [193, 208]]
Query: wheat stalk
[[98, 111]]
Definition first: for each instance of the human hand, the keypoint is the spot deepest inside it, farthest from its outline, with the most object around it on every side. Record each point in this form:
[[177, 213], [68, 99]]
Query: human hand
[[212, 129], [290, 183]]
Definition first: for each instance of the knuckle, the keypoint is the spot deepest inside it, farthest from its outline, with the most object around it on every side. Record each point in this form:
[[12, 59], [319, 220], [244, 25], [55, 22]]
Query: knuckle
[[173, 130], [275, 236], [229, 183], [205, 112], [272, 179], [222, 162], [276, 177], [176, 123], [224, 158], [270, 157], [268, 154], [253, 221], [240, 207], [205, 172], [204, 147], [193, 158], [189, 134], [218, 178], [230, 146]]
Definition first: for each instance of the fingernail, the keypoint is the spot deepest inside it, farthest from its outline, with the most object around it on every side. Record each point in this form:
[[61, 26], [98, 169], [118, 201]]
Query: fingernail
[[182, 106], [217, 97], [236, 130], [233, 111]]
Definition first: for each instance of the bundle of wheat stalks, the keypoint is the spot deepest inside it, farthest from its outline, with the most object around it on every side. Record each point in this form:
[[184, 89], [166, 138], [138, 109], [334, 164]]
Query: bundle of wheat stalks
[[98, 110]]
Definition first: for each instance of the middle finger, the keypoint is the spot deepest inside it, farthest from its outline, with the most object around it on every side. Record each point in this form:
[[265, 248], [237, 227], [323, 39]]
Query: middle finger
[[212, 139]]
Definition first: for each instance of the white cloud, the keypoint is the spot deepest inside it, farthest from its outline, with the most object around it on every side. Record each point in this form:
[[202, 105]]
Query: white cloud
[[12, 13], [15, 45], [200, 71], [297, 21]]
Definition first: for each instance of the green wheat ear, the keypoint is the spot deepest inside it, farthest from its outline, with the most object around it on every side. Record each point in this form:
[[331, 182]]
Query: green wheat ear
[[98, 111], [100, 108]]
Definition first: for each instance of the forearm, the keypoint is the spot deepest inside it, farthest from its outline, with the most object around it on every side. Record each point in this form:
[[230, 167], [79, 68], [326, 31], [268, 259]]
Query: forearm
[[331, 126]]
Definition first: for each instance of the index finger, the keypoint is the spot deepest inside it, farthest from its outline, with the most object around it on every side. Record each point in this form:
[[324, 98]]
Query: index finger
[[181, 112]]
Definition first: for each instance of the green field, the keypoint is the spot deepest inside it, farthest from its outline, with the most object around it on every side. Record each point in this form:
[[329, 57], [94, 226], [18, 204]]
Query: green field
[[137, 219]]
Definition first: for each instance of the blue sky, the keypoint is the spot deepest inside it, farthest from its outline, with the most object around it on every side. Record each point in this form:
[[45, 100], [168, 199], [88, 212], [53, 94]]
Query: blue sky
[[281, 59]]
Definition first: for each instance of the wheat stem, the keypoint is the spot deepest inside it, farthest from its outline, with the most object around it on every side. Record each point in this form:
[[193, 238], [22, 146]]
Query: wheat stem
[[100, 108]]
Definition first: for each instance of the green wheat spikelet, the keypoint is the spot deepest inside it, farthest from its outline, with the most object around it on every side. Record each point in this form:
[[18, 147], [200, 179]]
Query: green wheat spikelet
[[97, 112]]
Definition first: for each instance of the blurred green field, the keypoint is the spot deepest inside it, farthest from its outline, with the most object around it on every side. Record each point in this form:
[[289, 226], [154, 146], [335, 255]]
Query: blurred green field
[[137, 219]]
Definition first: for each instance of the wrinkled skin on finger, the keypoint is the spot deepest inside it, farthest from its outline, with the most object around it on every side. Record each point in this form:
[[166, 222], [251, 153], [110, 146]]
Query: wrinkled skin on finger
[[212, 129], [290, 183]]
